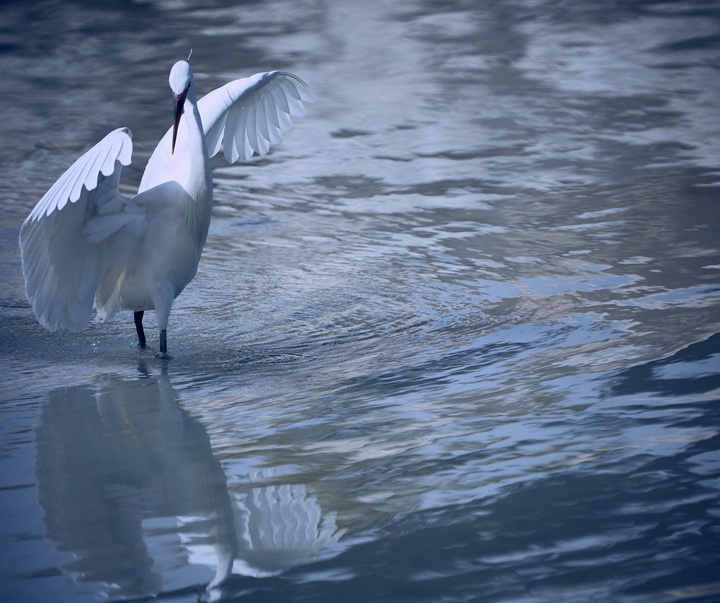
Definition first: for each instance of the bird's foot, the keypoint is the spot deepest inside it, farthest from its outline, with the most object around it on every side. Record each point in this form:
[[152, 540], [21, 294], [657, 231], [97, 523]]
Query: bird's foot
[[163, 356]]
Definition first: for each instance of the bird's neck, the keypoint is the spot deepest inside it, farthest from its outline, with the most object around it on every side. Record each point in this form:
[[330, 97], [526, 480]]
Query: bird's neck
[[194, 128], [196, 175], [189, 167], [191, 148], [188, 164]]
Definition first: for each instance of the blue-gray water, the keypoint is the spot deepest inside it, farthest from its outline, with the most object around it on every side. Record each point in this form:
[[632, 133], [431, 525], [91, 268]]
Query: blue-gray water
[[456, 339]]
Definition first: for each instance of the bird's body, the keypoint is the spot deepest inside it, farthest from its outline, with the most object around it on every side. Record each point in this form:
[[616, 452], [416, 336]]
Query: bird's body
[[85, 246]]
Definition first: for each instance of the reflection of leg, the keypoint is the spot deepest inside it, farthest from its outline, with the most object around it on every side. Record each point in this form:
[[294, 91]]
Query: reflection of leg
[[139, 327], [122, 558]]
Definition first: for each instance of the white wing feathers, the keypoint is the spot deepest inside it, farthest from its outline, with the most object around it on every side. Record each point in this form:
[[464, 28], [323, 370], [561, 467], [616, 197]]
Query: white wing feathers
[[116, 146], [62, 268], [248, 115]]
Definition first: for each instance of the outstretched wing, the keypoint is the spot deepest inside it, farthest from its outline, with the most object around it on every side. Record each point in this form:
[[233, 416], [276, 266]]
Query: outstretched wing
[[243, 117], [248, 115], [62, 269]]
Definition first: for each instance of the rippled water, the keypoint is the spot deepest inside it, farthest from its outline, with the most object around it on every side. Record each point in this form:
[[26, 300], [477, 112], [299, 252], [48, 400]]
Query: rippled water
[[458, 338]]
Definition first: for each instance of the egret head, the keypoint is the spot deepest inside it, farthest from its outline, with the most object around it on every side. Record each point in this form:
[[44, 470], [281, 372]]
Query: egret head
[[181, 78]]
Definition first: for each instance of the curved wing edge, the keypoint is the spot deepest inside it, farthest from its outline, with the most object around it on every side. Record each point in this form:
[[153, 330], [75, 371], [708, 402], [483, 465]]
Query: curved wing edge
[[61, 268], [249, 115]]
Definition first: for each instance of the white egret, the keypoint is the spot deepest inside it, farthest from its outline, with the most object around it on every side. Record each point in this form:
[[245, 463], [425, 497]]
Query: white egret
[[85, 246]]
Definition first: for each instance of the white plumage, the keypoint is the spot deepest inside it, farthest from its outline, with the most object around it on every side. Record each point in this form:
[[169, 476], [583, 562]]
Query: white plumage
[[85, 246]]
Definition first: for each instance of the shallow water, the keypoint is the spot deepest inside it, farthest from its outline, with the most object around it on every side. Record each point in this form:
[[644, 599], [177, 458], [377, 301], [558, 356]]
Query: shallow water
[[457, 338]]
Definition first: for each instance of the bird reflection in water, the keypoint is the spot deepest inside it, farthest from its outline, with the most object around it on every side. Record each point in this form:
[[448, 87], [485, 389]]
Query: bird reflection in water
[[129, 486]]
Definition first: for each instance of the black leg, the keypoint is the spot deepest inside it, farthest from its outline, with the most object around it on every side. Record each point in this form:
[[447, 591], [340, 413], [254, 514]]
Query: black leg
[[163, 342], [140, 331]]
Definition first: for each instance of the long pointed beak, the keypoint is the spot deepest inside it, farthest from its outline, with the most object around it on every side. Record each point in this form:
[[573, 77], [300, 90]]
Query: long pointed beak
[[178, 104]]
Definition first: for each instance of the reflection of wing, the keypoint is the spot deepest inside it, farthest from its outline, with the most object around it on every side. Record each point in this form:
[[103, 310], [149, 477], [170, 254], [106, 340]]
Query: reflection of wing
[[116, 464], [62, 269], [280, 527], [277, 527], [86, 513], [243, 117]]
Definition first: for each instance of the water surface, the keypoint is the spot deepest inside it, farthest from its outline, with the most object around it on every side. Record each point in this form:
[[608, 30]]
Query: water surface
[[457, 338]]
